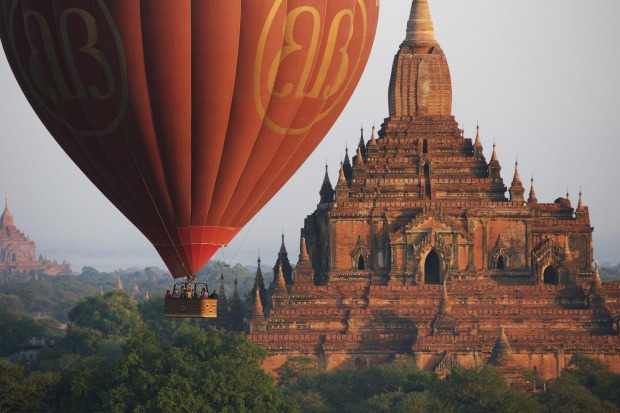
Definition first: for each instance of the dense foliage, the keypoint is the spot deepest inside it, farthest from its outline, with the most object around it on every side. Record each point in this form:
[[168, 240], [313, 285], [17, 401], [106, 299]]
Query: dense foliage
[[610, 273], [119, 354], [122, 356], [586, 386]]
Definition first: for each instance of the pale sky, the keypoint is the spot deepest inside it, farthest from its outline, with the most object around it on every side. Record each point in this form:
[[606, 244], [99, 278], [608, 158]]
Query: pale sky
[[541, 76]]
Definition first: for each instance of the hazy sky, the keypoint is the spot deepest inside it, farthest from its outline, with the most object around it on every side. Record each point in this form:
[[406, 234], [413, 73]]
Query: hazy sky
[[541, 76]]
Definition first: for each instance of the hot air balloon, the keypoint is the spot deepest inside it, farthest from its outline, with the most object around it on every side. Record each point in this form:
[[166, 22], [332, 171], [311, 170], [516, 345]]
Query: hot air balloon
[[188, 115]]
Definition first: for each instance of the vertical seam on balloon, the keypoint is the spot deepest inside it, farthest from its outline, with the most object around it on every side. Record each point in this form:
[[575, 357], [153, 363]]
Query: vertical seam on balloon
[[285, 135], [141, 174], [146, 78], [145, 216], [84, 116], [219, 171], [256, 137]]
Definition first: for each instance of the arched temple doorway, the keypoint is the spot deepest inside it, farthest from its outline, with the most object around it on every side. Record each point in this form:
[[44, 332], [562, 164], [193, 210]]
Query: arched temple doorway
[[550, 275], [432, 269], [360, 263], [500, 263]]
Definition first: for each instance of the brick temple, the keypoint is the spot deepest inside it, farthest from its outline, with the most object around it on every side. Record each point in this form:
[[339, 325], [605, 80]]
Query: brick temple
[[18, 252], [421, 250]]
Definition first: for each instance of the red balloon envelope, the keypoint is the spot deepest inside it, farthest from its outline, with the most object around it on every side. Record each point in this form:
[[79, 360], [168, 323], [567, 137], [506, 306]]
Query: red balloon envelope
[[188, 115]]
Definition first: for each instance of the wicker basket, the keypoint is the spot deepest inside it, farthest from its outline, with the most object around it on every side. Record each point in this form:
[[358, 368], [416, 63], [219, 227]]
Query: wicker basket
[[191, 308]]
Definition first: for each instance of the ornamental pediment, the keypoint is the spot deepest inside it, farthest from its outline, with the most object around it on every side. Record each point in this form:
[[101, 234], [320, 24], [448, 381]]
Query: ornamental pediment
[[428, 223]]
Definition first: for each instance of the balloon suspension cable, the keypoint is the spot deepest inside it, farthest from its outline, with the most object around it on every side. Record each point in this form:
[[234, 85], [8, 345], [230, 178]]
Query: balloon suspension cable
[[244, 238]]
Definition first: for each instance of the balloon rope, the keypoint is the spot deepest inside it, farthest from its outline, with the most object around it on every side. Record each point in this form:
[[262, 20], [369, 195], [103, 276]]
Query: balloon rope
[[244, 238]]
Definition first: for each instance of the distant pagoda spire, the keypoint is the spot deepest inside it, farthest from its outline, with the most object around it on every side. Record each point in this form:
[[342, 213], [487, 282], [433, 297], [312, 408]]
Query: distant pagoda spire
[[119, 284], [147, 297], [580, 203], [236, 309], [6, 220], [259, 284], [224, 318]]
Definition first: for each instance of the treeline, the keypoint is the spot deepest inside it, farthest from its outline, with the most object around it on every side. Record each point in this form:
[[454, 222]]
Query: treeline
[[121, 355], [610, 273], [54, 296]]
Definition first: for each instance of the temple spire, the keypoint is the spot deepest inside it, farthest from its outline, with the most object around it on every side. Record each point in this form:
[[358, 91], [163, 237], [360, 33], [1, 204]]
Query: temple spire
[[303, 251], [373, 136], [279, 278], [327, 191], [257, 306], [119, 284], [420, 28], [342, 180], [6, 220], [494, 155], [359, 158], [580, 204], [517, 177], [532, 199], [478, 144], [516, 188], [597, 296], [362, 143], [282, 246]]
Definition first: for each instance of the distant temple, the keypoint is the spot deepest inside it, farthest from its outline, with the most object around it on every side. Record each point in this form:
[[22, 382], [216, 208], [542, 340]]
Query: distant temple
[[18, 252], [417, 252]]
